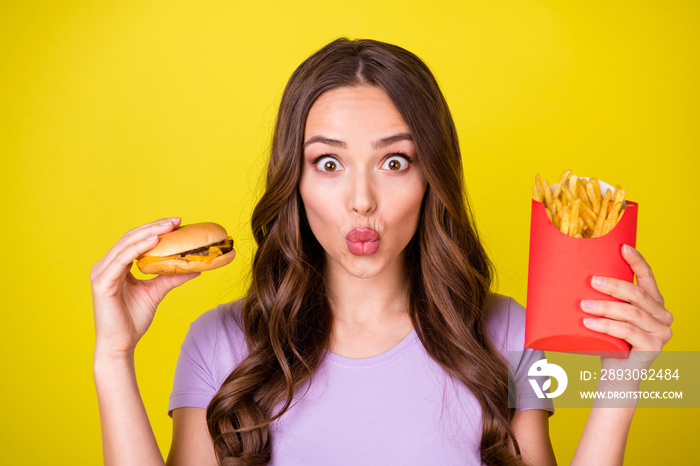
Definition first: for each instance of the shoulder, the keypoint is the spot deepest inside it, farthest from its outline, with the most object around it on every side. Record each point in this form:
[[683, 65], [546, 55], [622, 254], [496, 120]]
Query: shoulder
[[216, 339], [214, 346], [505, 323], [224, 320]]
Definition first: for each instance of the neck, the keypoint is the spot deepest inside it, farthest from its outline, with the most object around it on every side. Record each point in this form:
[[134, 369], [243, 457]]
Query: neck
[[361, 301], [370, 315]]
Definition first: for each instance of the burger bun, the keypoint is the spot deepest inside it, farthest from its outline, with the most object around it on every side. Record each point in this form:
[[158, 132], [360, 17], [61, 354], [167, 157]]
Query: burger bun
[[182, 239]]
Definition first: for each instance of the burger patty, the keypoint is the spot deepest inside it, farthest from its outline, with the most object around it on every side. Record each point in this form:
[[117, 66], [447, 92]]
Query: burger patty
[[224, 246]]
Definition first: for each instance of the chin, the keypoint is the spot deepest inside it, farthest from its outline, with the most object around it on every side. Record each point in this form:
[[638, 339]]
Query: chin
[[364, 267]]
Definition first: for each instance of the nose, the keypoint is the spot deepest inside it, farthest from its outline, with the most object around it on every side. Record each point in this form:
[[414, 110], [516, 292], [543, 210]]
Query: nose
[[362, 199]]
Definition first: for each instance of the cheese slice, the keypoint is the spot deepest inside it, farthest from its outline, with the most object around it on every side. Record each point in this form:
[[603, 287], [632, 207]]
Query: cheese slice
[[210, 255]]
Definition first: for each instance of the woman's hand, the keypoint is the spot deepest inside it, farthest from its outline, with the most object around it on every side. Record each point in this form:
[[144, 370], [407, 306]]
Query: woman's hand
[[124, 307], [641, 320]]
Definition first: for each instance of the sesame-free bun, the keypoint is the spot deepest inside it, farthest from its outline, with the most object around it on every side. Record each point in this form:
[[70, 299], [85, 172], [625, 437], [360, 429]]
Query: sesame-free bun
[[182, 239], [174, 266], [187, 237]]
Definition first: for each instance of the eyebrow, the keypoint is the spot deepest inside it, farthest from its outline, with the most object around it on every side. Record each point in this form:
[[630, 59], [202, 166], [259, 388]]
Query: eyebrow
[[375, 145], [327, 141], [391, 140]]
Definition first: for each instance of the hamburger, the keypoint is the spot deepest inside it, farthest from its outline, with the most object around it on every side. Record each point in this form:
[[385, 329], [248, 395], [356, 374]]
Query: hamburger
[[190, 248]]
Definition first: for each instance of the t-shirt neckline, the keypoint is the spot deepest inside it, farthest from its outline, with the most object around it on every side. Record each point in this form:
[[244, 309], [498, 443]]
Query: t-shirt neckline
[[379, 359]]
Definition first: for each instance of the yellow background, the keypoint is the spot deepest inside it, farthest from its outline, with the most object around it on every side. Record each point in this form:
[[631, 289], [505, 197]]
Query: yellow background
[[116, 113]]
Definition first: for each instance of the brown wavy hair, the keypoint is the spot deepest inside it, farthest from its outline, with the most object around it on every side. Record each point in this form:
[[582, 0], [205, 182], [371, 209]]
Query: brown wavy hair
[[286, 313]]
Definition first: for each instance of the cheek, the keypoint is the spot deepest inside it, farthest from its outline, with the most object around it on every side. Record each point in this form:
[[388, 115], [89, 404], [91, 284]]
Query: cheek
[[319, 211], [315, 216], [406, 211], [413, 217]]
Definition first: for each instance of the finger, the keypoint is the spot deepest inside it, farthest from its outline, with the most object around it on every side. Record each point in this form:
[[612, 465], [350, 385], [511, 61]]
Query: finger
[[159, 227], [643, 272], [113, 272], [636, 337], [634, 294], [107, 280], [160, 286], [175, 220], [624, 312]]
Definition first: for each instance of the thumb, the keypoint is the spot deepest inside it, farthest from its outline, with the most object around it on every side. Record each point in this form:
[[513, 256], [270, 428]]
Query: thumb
[[642, 271], [162, 285]]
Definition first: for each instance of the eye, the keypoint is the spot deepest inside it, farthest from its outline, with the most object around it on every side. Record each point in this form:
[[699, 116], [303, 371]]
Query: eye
[[396, 163], [327, 164]]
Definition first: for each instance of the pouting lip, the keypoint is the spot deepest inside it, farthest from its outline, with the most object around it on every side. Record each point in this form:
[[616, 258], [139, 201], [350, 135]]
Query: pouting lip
[[362, 234]]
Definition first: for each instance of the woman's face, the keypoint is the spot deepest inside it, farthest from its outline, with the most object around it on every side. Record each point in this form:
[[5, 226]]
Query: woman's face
[[361, 182]]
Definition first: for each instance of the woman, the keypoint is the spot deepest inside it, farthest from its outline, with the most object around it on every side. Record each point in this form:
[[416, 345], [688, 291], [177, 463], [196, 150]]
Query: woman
[[369, 334]]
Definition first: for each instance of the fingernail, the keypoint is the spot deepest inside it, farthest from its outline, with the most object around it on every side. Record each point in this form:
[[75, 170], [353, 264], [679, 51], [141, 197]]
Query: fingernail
[[587, 304], [598, 281], [173, 219], [628, 249], [151, 238], [590, 322]]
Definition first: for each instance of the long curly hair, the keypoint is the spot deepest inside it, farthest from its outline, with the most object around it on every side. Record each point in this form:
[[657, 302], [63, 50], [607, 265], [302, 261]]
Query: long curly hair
[[286, 313]]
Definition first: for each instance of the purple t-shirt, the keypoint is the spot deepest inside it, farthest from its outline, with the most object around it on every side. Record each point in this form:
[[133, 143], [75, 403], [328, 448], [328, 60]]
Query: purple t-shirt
[[399, 407]]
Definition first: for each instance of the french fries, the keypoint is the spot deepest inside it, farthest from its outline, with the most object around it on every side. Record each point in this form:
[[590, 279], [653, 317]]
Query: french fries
[[576, 206]]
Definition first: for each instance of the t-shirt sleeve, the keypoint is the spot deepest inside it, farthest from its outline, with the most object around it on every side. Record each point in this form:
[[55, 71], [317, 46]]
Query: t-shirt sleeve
[[525, 395], [210, 351], [506, 326]]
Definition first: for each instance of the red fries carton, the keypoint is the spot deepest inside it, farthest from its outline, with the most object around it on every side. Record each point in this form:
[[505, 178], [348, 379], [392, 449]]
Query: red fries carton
[[559, 277]]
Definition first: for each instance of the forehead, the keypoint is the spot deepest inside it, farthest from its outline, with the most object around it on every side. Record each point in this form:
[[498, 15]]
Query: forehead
[[354, 111]]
